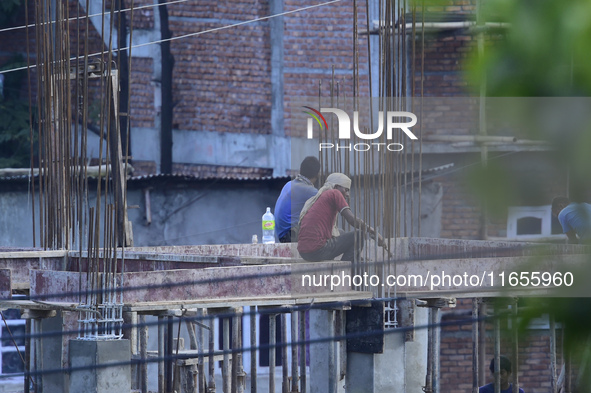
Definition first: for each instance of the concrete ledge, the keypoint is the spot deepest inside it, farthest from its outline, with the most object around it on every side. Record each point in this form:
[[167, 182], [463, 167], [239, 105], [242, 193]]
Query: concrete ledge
[[5, 284]]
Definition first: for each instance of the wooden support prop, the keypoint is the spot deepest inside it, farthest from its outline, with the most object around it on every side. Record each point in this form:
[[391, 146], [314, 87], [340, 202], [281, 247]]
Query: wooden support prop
[[211, 371], [38, 314], [188, 378], [200, 348], [303, 351], [272, 343], [235, 344], [294, 352], [553, 384], [515, 344], [253, 351], [161, 366], [143, 344], [475, 343], [226, 377], [284, 362], [497, 352]]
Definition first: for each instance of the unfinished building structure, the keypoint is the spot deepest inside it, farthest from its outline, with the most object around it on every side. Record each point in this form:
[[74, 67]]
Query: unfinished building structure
[[90, 292]]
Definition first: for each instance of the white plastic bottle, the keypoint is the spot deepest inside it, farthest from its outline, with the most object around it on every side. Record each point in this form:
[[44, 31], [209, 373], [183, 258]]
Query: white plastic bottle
[[268, 227]]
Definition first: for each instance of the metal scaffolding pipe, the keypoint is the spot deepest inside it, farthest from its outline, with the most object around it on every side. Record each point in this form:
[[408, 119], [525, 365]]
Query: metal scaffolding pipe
[[294, 352]]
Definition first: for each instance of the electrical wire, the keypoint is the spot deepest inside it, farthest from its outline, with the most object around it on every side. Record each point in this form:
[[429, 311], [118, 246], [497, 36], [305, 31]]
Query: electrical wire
[[260, 347], [195, 34], [96, 15]]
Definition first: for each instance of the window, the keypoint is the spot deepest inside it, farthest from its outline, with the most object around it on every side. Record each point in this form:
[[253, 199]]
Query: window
[[532, 222]]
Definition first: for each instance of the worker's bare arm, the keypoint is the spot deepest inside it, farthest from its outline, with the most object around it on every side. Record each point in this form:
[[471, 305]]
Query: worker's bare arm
[[360, 224]]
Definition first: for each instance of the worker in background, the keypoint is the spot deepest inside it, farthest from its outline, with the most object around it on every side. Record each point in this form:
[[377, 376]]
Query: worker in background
[[575, 219], [318, 238], [292, 198], [505, 373]]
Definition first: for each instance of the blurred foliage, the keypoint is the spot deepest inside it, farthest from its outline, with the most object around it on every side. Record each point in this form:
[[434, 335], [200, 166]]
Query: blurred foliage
[[14, 134], [15, 142], [8, 10], [543, 52]]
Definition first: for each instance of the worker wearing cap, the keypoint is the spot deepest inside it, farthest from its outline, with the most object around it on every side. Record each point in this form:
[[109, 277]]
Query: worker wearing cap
[[319, 239]]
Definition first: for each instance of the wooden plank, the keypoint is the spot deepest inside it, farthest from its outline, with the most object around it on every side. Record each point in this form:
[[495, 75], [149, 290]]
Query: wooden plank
[[33, 254], [32, 305], [286, 300], [150, 256], [270, 260]]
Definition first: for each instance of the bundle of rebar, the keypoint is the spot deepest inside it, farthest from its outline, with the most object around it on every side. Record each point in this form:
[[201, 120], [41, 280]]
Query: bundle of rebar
[[69, 80]]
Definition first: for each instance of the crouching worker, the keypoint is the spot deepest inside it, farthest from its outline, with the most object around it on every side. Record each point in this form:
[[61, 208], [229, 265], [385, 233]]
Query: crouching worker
[[318, 238], [505, 376]]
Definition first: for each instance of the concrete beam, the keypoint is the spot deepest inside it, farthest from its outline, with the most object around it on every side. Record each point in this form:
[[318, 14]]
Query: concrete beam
[[208, 283], [21, 262]]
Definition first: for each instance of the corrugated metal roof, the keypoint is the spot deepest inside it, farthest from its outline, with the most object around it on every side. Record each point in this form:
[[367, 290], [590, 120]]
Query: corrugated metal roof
[[196, 178], [205, 178]]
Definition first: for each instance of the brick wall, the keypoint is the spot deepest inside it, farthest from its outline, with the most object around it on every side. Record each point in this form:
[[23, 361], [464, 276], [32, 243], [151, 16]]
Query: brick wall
[[315, 41], [222, 78], [456, 355]]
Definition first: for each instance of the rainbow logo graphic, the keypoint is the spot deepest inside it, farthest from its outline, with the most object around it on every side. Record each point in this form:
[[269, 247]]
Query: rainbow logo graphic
[[316, 115]]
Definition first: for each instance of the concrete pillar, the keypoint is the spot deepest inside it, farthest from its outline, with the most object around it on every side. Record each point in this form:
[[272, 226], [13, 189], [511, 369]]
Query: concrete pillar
[[400, 367], [52, 355], [360, 374], [323, 354], [87, 354]]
